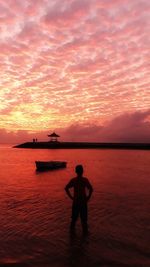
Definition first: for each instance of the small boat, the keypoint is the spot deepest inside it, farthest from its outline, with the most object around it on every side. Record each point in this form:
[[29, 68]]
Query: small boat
[[50, 165]]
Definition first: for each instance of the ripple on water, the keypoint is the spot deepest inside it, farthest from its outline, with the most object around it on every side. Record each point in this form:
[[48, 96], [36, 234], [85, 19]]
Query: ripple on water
[[35, 213]]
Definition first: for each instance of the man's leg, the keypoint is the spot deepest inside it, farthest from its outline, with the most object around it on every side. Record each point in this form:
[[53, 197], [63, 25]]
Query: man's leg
[[84, 217], [75, 214]]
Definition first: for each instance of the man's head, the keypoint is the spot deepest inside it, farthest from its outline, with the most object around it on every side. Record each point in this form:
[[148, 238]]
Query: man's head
[[79, 169]]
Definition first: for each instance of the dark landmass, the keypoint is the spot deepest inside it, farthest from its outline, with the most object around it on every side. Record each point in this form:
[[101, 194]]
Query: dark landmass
[[77, 145]]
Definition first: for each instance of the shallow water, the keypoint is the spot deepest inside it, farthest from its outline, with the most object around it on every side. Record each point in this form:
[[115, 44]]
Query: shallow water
[[35, 212]]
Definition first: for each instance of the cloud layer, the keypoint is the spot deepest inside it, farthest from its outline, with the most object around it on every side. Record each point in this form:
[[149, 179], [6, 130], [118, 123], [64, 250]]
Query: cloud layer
[[128, 127], [74, 62]]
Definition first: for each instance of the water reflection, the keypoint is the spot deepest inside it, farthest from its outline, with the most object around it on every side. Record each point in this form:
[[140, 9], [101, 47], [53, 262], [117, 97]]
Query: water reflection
[[78, 249], [34, 210]]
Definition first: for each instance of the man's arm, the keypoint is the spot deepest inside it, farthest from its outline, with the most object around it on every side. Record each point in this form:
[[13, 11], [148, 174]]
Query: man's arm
[[90, 188], [68, 186]]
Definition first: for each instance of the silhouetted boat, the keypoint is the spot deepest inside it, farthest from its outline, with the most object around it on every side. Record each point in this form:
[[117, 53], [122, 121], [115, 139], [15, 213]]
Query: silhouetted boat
[[50, 165]]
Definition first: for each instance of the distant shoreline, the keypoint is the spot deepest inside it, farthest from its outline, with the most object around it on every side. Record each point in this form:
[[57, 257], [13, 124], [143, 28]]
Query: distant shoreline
[[78, 145]]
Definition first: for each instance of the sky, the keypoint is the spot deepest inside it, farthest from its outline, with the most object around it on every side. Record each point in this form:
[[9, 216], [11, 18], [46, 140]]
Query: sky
[[77, 67]]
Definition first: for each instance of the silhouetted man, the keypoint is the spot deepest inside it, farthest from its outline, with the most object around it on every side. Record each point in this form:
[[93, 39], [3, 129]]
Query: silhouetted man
[[79, 197]]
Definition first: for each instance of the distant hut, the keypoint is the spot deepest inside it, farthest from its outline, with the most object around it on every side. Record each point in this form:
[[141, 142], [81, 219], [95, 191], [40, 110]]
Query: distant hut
[[53, 137]]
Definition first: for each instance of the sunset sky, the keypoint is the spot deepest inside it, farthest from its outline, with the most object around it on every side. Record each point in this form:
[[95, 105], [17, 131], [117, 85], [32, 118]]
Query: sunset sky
[[79, 67]]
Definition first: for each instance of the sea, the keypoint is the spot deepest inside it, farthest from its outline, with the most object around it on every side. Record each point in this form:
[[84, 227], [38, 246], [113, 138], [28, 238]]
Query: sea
[[35, 211]]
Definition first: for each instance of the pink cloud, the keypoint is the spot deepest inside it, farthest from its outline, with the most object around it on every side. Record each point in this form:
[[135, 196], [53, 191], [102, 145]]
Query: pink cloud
[[63, 13], [134, 127]]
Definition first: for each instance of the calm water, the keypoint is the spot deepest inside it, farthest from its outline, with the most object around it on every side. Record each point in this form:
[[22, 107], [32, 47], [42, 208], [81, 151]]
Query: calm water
[[35, 212]]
